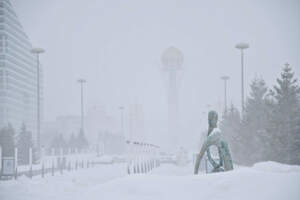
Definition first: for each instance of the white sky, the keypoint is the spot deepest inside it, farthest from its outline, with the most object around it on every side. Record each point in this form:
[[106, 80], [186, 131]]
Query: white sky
[[116, 45]]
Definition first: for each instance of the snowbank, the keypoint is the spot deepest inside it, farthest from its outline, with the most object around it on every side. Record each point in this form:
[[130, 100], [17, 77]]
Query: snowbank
[[271, 166], [243, 183], [263, 181]]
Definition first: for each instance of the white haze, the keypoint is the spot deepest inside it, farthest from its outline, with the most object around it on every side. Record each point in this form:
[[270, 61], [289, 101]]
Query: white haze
[[116, 45]]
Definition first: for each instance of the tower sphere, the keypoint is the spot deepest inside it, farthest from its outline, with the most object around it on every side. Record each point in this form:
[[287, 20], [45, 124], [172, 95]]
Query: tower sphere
[[242, 45], [172, 58]]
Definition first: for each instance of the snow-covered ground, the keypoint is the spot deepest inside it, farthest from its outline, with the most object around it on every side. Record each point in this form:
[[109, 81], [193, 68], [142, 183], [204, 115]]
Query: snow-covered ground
[[263, 181]]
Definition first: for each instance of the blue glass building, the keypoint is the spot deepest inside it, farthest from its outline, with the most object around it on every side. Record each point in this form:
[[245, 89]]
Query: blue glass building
[[18, 73]]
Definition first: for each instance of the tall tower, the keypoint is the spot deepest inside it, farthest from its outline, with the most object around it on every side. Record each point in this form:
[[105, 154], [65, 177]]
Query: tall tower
[[172, 60]]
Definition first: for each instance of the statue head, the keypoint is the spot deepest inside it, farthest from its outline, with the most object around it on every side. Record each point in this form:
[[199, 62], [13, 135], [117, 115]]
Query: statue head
[[212, 119]]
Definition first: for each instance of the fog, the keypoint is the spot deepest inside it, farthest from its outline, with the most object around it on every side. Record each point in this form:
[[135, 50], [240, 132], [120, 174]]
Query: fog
[[133, 99], [116, 46]]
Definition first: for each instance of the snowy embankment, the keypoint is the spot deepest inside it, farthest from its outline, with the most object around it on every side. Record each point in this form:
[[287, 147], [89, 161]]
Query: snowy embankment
[[263, 181]]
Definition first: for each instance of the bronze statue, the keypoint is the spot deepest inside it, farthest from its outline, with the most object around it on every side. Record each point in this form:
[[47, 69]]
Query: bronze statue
[[214, 137]]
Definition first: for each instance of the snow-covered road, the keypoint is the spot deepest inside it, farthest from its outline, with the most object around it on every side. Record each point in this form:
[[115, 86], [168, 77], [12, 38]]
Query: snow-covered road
[[264, 181]]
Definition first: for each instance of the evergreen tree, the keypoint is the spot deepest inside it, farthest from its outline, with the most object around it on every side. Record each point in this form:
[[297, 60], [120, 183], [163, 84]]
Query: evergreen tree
[[7, 140], [255, 124], [270, 129], [54, 143], [286, 117], [72, 143], [58, 143], [230, 127], [82, 142], [24, 142]]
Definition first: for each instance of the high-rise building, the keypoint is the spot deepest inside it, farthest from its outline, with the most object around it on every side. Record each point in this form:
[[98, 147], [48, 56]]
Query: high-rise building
[[18, 73]]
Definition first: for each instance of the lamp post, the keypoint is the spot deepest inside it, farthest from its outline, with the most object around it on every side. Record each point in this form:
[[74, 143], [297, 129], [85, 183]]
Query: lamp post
[[37, 52], [81, 82], [225, 79], [241, 46], [121, 108], [288, 129]]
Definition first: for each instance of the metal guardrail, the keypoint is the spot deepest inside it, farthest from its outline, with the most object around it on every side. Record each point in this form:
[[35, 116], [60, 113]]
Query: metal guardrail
[[141, 157]]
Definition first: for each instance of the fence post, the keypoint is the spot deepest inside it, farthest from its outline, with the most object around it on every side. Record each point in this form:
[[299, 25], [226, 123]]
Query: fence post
[[0, 160], [16, 163], [142, 158], [30, 162], [147, 158], [137, 158], [52, 168], [53, 160], [128, 156], [76, 158], [42, 161], [43, 168], [61, 161]]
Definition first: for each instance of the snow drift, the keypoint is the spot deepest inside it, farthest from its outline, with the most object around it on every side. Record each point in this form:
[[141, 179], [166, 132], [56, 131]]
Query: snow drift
[[268, 180]]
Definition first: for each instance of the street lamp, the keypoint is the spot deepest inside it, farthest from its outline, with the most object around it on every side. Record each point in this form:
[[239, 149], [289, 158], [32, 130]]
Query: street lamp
[[225, 79], [37, 52], [241, 46], [81, 82], [121, 108]]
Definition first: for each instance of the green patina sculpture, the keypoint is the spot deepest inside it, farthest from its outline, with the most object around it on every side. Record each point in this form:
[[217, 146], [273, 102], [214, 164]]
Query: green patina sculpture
[[214, 137]]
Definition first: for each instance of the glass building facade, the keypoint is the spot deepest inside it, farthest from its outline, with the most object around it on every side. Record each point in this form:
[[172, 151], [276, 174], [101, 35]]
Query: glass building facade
[[18, 74]]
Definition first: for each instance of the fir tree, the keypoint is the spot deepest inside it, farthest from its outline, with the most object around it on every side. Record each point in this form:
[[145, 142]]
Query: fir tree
[[254, 127], [58, 143], [286, 117], [230, 127], [72, 143], [24, 142], [82, 142], [7, 140]]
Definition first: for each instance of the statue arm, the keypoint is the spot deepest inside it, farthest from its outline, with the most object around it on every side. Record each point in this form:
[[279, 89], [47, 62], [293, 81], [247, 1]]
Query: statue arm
[[228, 164], [212, 139], [199, 157]]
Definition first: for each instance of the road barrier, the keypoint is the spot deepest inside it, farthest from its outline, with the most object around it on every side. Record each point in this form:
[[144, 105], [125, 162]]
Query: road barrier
[[47, 165], [141, 157]]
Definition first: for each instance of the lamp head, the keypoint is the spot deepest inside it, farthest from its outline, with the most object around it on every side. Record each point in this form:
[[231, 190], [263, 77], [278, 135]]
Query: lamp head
[[37, 50], [225, 78], [242, 45], [81, 80]]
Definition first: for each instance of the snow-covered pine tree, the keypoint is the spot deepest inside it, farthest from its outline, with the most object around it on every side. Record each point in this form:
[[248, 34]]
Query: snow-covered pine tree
[[286, 117], [72, 143], [58, 143], [7, 140], [24, 142], [230, 127], [82, 142], [256, 122]]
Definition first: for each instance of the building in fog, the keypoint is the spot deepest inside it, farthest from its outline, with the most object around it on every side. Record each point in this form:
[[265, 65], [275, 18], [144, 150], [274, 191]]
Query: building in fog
[[136, 123], [18, 73], [97, 121]]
